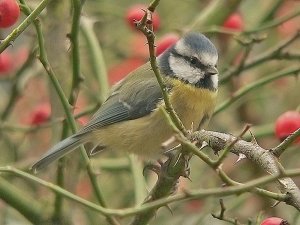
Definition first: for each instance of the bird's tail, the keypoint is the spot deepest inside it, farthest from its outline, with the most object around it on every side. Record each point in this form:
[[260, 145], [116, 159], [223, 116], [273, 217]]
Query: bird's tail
[[59, 150]]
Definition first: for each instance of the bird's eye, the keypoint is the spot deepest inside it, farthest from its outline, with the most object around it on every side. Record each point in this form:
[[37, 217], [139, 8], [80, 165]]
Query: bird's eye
[[193, 60]]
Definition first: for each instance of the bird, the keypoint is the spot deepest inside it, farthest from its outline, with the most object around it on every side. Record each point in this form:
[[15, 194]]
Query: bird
[[130, 120]]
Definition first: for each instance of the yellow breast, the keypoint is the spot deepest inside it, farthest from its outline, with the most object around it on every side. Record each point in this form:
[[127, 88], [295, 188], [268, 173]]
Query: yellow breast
[[192, 104]]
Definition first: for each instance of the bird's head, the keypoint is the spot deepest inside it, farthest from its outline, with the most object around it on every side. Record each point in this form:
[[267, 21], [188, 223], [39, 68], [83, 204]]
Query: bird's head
[[193, 60]]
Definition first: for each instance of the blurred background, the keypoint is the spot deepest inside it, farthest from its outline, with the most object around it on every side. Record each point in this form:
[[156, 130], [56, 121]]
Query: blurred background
[[110, 47]]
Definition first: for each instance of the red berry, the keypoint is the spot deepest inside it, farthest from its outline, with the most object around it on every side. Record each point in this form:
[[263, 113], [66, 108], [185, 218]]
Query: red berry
[[40, 114], [165, 42], [274, 221], [9, 13], [135, 13], [83, 189], [292, 25], [234, 22], [286, 124], [6, 63], [194, 206], [118, 72]]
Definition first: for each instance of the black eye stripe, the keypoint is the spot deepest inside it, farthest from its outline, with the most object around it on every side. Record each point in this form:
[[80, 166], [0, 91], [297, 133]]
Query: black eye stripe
[[194, 62]]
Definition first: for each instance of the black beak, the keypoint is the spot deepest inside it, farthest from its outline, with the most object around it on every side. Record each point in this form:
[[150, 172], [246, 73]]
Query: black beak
[[211, 71]]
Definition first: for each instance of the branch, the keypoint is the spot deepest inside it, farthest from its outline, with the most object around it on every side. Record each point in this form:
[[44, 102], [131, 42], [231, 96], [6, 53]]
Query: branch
[[273, 53], [76, 79], [263, 158], [140, 190], [17, 199], [25, 23], [217, 163], [259, 191], [214, 14], [96, 56], [174, 167], [67, 108], [188, 195], [277, 151], [7, 127], [271, 24], [275, 22], [143, 26], [222, 216], [168, 176], [15, 89], [247, 88]]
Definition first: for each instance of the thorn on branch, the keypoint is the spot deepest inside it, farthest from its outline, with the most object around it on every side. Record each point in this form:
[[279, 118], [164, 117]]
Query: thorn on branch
[[229, 145], [240, 158], [204, 144], [246, 128], [253, 139], [275, 204], [169, 209]]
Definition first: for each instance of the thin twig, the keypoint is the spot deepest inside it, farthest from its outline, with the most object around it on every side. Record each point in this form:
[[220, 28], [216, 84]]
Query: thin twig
[[143, 26], [262, 192], [222, 216], [77, 5], [136, 166], [96, 56], [275, 52], [15, 92], [188, 195], [25, 23], [278, 150], [250, 87], [214, 14], [67, 108], [261, 157], [7, 127], [275, 22], [187, 144], [15, 197], [60, 176], [228, 147]]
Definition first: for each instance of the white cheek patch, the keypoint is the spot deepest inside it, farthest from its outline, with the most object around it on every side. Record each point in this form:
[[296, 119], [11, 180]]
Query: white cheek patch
[[183, 70]]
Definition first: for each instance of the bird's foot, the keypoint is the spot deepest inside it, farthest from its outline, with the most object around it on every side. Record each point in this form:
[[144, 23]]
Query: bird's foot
[[153, 167]]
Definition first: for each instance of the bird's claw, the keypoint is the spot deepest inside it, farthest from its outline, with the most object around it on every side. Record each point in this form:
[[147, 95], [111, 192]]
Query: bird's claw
[[154, 168]]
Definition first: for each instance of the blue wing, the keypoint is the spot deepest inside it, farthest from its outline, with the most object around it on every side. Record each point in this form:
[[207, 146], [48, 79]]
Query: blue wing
[[128, 102]]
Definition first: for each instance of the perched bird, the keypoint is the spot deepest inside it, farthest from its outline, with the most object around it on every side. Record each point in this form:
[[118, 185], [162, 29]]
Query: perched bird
[[129, 119]]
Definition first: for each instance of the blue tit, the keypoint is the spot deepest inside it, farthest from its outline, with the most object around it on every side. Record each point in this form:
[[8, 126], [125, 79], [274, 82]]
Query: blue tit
[[129, 119]]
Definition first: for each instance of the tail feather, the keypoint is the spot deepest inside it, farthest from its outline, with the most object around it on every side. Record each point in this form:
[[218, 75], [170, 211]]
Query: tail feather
[[58, 151]]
